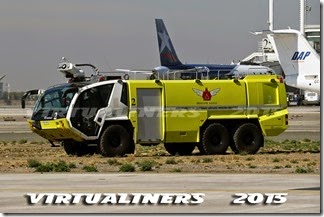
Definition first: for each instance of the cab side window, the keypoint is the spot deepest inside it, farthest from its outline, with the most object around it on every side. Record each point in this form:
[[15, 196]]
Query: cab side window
[[124, 96]]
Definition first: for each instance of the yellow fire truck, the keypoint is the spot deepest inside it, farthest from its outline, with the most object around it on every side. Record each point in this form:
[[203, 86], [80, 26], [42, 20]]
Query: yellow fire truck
[[112, 116]]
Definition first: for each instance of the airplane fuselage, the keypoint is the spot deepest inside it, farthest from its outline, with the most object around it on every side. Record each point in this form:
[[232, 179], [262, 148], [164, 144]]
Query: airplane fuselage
[[222, 70], [215, 71], [310, 83]]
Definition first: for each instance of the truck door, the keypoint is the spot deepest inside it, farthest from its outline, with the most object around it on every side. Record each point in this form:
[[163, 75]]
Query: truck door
[[86, 107], [149, 110]]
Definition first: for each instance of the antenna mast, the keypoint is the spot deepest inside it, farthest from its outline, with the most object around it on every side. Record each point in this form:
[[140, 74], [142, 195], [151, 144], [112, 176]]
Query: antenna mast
[[270, 21], [302, 17]]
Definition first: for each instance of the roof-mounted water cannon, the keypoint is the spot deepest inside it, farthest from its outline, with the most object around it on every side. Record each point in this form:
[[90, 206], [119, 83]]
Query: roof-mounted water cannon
[[70, 70], [73, 71]]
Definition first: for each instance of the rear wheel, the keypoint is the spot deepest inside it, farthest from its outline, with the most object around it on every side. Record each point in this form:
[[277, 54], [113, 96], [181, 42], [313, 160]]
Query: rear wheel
[[215, 139], [116, 141], [179, 148], [231, 139], [233, 147], [248, 138]]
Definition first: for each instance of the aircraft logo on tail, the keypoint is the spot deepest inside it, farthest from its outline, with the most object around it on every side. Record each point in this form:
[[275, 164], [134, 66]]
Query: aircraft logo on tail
[[165, 41], [300, 55]]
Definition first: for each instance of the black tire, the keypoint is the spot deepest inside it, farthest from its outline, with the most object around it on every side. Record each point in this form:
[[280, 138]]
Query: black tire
[[231, 140], [248, 138], [78, 148], [233, 147], [115, 141], [215, 139], [131, 149], [180, 148], [70, 147]]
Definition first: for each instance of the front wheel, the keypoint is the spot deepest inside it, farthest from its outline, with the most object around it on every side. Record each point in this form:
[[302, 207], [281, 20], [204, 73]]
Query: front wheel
[[78, 148], [70, 147], [116, 141], [248, 138]]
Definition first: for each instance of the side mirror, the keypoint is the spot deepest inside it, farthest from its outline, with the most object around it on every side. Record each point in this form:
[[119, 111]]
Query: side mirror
[[23, 103], [26, 94]]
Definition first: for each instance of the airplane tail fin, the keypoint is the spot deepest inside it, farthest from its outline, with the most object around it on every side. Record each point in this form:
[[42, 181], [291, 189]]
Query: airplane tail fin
[[296, 56], [168, 55]]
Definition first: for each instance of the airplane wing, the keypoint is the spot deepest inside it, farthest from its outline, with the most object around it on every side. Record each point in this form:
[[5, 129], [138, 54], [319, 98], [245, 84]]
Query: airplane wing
[[199, 69], [148, 72]]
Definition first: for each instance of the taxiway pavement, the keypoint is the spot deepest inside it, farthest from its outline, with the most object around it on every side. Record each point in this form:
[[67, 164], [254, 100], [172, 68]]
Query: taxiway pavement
[[303, 192]]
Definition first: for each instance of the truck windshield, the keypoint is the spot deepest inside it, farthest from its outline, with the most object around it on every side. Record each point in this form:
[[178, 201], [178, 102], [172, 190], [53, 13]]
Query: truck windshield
[[51, 104]]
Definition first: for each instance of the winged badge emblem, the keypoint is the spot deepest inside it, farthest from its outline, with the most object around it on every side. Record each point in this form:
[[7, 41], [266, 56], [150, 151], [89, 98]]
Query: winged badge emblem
[[206, 94]]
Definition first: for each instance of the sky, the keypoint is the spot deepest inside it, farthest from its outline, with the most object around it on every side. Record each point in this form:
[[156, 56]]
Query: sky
[[36, 34]]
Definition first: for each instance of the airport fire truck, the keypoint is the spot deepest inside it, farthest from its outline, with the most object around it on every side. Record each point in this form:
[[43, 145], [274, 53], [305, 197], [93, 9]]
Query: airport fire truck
[[111, 116]]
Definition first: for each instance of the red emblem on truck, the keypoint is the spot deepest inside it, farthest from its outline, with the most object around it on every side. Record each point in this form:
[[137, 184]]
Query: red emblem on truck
[[206, 94]]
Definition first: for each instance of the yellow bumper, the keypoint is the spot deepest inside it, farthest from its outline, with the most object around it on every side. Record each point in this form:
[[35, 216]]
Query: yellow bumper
[[54, 130], [274, 123]]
